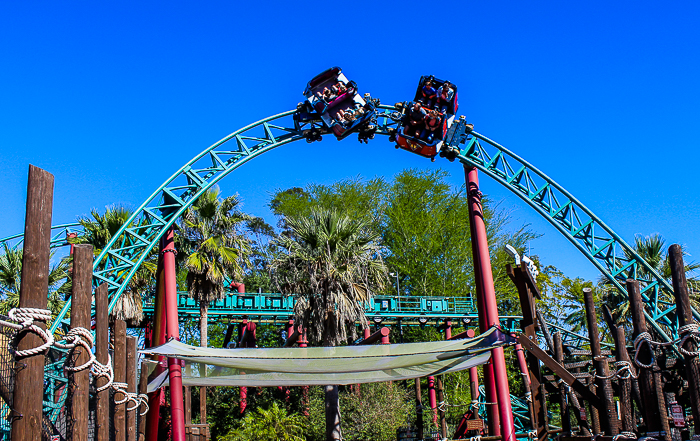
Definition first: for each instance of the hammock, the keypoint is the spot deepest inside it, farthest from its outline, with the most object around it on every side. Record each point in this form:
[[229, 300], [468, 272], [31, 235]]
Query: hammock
[[324, 365]]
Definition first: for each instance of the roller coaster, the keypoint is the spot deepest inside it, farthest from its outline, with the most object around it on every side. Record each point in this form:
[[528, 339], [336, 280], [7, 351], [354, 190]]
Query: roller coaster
[[606, 250]]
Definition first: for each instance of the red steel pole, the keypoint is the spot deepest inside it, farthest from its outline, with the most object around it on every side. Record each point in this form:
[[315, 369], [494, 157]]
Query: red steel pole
[[156, 398], [177, 408], [492, 418], [482, 265]]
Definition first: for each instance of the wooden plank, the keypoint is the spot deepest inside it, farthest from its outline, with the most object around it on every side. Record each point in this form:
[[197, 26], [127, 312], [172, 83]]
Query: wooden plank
[[685, 317], [79, 384], [102, 356], [119, 332], [131, 381], [143, 386], [563, 401], [528, 325], [558, 369], [608, 415], [654, 403], [28, 398]]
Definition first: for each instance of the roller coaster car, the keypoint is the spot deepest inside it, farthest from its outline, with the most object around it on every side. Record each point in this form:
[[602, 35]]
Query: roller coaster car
[[335, 100], [406, 137]]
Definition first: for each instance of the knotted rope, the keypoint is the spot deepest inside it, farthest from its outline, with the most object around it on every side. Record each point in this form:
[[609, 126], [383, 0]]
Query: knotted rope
[[103, 370], [624, 371], [24, 318], [689, 331], [78, 337], [143, 398]]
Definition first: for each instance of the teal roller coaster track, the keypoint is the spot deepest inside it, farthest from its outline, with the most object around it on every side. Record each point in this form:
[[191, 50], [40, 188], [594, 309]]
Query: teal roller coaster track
[[615, 259]]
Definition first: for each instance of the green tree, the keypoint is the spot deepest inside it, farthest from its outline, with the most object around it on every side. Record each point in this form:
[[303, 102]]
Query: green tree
[[334, 263], [273, 424], [99, 229], [424, 225], [216, 249], [11, 280]]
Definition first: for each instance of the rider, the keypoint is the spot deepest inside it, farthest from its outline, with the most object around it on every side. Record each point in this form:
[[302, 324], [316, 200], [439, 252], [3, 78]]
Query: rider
[[433, 122], [416, 119], [445, 94], [428, 94]]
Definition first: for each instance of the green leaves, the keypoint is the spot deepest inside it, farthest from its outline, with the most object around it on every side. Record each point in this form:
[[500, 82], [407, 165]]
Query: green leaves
[[332, 261]]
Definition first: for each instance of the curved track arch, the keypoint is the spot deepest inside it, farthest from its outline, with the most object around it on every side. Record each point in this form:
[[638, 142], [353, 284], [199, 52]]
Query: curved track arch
[[603, 247]]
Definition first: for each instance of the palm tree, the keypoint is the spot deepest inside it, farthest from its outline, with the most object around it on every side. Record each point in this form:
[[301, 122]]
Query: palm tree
[[99, 230], [652, 249], [11, 280], [217, 250], [333, 262]]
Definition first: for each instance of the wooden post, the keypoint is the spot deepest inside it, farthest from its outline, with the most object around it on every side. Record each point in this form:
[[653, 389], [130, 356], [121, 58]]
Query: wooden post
[[564, 403], [628, 423], [119, 332], [143, 387], [419, 409], [441, 408], [28, 398], [80, 318], [131, 381], [608, 416], [102, 356], [523, 281], [685, 318], [654, 408]]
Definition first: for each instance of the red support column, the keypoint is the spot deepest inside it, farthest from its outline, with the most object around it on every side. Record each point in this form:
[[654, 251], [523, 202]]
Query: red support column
[[486, 295], [156, 398], [173, 331]]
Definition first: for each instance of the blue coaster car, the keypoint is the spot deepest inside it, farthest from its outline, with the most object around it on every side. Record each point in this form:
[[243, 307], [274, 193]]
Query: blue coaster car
[[414, 134], [335, 100]]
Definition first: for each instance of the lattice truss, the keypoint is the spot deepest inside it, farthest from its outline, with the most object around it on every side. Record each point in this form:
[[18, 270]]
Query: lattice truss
[[606, 250]]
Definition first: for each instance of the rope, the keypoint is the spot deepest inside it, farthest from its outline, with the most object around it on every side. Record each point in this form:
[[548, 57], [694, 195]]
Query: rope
[[128, 396], [24, 318], [475, 438], [624, 371], [78, 337], [689, 331], [624, 435], [103, 370], [143, 398], [643, 338]]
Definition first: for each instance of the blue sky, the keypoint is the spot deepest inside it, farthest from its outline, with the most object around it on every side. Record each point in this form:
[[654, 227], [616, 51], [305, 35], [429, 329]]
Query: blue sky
[[113, 97]]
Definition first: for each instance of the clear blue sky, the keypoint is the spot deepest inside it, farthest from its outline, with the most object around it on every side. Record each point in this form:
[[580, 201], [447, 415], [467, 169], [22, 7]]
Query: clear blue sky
[[113, 97]]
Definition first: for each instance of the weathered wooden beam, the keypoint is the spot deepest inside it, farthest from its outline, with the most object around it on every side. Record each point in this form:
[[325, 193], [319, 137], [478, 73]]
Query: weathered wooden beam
[[685, 318], [102, 356], [626, 410], [81, 298], [143, 387], [608, 415], [563, 398], [131, 388], [119, 332], [419, 409], [28, 398], [521, 278], [558, 369], [654, 408]]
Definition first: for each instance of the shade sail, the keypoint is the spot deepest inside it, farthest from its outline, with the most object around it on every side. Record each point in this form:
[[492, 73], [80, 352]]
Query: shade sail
[[325, 365]]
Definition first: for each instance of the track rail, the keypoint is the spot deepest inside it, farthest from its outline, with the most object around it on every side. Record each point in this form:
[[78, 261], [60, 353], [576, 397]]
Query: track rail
[[601, 245]]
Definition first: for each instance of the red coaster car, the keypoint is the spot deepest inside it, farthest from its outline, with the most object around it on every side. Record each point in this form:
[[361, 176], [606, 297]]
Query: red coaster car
[[336, 101], [426, 120]]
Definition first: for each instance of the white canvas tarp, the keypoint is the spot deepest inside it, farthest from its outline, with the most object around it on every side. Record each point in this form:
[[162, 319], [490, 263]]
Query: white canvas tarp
[[325, 365]]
